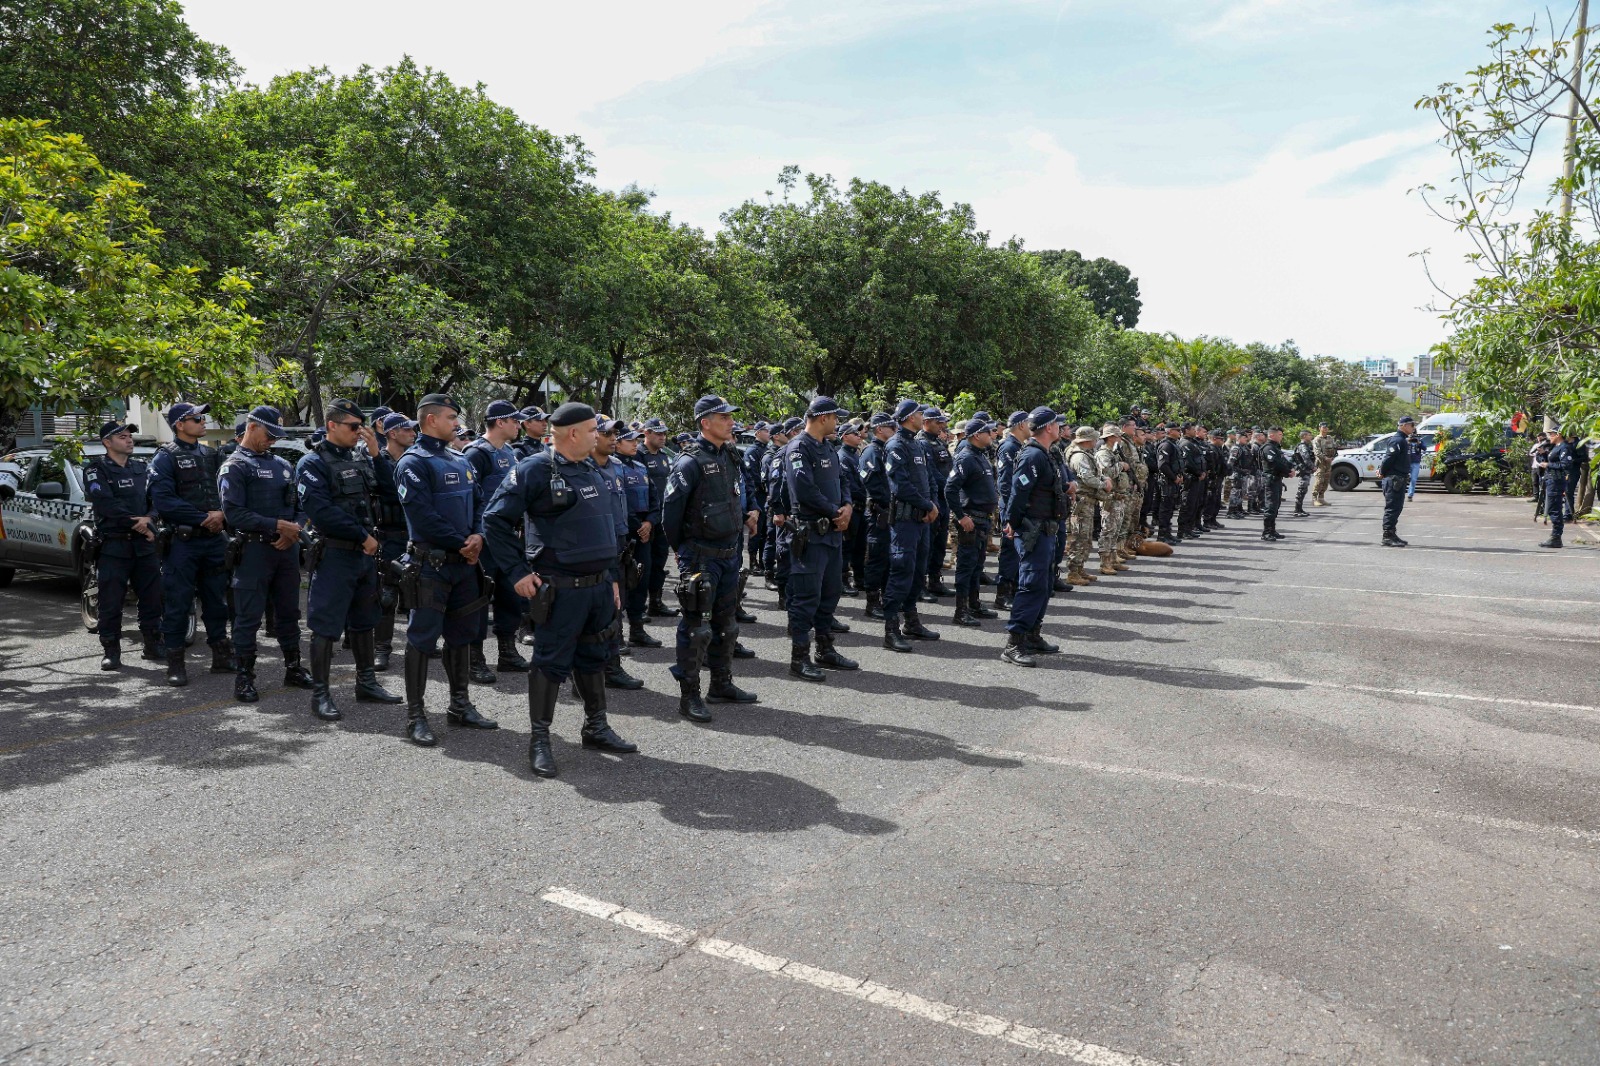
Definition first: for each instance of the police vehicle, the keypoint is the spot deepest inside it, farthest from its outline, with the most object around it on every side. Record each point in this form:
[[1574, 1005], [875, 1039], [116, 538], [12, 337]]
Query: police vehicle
[[47, 525], [1352, 466]]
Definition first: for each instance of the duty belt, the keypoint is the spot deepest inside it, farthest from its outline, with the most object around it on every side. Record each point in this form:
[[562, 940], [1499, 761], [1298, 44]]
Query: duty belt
[[818, 525], [707, 552], [420, 549], [259, 538], [571, 581], [392, 534], [347, 545]]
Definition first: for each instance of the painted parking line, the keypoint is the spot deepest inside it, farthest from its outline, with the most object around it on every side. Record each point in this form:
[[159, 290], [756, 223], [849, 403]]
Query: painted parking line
[[986, 1025], [1439, 595], [1412, 630], [1422, 693], [1588, 836]]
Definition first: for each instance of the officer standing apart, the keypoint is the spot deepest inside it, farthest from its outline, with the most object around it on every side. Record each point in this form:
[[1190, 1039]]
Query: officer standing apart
[[118, 489], [443, 507], [564, 565], [338, 485], [971, 494], [263, 516], [1326, 448], [1393, 471], [872, 465], [399, 433], [1305, 464], [914, 513], [702, 516], [1274, 465], [492, 458], [1557, 467], [820, 512], [183, 488], [1032, 520]]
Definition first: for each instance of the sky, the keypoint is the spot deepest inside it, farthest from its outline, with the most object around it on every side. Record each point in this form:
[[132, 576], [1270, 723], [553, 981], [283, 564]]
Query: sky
[[1251, 161]]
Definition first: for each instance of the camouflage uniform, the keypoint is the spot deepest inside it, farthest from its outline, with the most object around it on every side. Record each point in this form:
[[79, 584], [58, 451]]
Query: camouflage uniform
[[1325, 449], [1135, 505], [1113, 503], [1080, 533]]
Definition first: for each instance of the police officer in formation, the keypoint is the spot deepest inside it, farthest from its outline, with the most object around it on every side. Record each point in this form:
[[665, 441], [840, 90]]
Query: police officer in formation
[[913, 514], [657, 463], [398, 434], [1032, 519], [972, 494], [1274, 466], [853, 577], [492, 458], [118, 490], [939, 463], [872, 467], [607, 430], [338, 487], [819, 513], [1304, 459], [1017, 434], [263, 519]]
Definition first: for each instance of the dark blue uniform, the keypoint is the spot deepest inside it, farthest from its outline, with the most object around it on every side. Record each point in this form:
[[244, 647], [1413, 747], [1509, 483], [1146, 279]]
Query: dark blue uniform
[[337, 486], [1558, 468], [753, 465], [971, 492], [873, 465], [775, 555], [119, 493], [183, 487], [439, 493], [1034, 511], [816, 496], [491, 465], [1007, 454], [658, 465], [855, 538], [703, 519], [1395, 470], [257, 493], [391, 533], [939, 465], [644, 505], [909, 483]]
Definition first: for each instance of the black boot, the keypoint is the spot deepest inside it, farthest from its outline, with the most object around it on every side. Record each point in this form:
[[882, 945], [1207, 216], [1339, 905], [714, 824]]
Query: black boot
[[1554, 541], [1392, 540], [152, 645], [1003, 592], [963, 615], [658, 609], [478, 671], [1034, 641], [177, 672], [723, 690], [783, 594], [937, 587], [744, 617], [840, 625], [1058, 583], [383, 641], [363, 648], [976, 608], [847, 587], [1016, 652], [294, 675], [321, 699], [244, 679], [875, 605], [221, 658], [742, 652], [828, 655], [690, 705], [639, 636], [597, 732], [801, 666], [415, 666], [510, 659], [916, 630], [458, 672], [893, 639], [111, 654], [617, 677], [542, 693]]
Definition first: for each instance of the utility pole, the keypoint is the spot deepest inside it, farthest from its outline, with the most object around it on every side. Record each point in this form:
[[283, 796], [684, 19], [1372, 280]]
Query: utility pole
[[1572, 109]]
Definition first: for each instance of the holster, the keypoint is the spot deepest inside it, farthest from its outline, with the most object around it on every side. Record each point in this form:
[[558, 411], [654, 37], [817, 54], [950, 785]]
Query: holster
[[164, 540], [92, 542], [313, 554], [410, 584], [234, 552], [694, 593], [632, 568], [541, 604]]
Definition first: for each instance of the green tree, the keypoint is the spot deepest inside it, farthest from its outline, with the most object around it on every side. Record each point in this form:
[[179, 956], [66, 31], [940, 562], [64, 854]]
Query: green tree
[[87, 313], [1109, 286], [1193, 376]]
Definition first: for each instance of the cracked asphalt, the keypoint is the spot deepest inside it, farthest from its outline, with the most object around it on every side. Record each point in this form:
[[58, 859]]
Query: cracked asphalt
[[1313, 802]]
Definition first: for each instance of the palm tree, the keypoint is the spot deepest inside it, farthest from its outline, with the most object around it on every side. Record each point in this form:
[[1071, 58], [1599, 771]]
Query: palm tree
[[1194, 374]]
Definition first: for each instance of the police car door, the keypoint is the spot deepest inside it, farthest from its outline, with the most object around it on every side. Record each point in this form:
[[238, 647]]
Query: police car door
[[38, 530], [11, 511]]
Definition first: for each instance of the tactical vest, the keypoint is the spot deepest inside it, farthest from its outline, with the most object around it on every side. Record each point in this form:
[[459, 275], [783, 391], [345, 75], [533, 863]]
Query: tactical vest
[[386, 509], [352, 482], [636, 480], [195, 473], [1043, 503], [270, 497], [501, 460], [713, 513], [129, 485], [611, 476], [576, 522]]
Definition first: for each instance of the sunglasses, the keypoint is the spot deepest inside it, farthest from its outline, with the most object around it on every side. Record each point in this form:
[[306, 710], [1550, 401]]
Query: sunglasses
[[350, 425], [192, 418]]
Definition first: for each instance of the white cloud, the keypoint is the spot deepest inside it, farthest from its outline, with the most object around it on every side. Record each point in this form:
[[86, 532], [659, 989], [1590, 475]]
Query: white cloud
[[1255, 19]]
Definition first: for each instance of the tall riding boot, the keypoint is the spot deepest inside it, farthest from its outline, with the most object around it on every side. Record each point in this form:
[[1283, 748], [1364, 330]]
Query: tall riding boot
[[363, 648], [510, 659], [893, 639], [458, 672], [875, 605], [321, 699], [221, 658], [597, 732], [244, 679], [616, 676], [152, 645], [177, 671], [916, 630], [542, 693], [800, 664], [416, 676], [383, 641], [111, 652], [976, 608], [690, 705], [294, 675], [828, 655], [478, 671]]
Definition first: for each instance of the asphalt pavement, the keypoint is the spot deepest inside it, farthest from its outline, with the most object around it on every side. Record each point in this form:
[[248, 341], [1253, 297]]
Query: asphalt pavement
[[1310, 802]]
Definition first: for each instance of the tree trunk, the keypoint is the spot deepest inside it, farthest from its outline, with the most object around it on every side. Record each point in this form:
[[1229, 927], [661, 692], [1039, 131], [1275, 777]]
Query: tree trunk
[[313, 388]]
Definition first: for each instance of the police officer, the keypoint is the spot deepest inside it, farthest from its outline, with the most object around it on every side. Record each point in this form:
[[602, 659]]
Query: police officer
[[399, 433], [439, 493], [1169, 477], [644, 524], [819, 513], [657, 462], [263, 516], [702, 516], [117, 486], [776, 554], [1557, 467], [552, 528], [183, 488], [605, 442], [939, 464], [338, 486], [1274, 465], [535, 424], [872, 467], [1394, 470], [492, 458], [855, 538], [1032, 518], [971, 494], [1017, 434], [754, 464], [233, 445], [914, 513], [1305, 464]]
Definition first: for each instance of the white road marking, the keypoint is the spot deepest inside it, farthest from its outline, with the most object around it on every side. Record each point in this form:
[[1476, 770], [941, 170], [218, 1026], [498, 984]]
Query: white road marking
[[871, 991], [1441, 595], [1427, 694], [1396, 629], [1587, 835]]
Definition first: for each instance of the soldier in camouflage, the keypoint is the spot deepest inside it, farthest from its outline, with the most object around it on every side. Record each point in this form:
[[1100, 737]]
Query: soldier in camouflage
[[1080, 528], [1325, 446], [1129, 452], [1115, 483]]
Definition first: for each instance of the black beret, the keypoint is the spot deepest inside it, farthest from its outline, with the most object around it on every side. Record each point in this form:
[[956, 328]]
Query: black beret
[[570, 414], [438, 399]]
